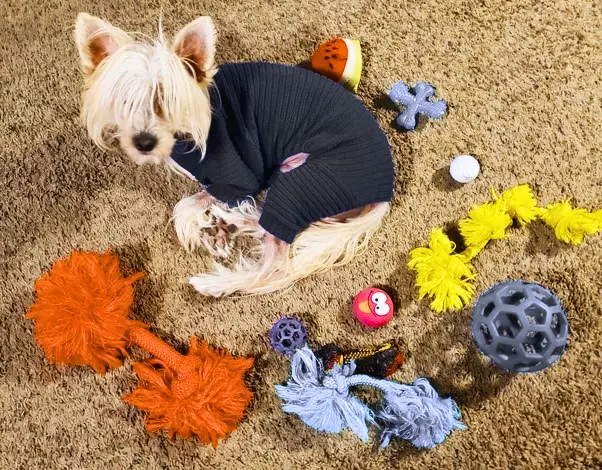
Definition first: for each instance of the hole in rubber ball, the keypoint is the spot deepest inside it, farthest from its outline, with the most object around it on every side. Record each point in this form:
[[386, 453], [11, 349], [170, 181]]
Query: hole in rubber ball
[[296, 336], [508, 324], [286, 343], [549, 301], [545, 296], [488, 309], [504, 351], [536, 314], [558, 326], [525, 366], [486, 334], [536, 344], [514, 298]]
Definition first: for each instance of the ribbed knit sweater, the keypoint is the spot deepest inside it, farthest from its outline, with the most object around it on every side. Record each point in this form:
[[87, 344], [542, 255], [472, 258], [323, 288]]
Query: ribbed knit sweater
[[264, 113]]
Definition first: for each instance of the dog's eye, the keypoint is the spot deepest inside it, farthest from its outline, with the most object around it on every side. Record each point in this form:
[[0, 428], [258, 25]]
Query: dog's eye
[[157, 99], [157, 107]]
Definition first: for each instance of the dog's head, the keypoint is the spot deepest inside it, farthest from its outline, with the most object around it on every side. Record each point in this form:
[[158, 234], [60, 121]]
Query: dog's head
[[139, 94]]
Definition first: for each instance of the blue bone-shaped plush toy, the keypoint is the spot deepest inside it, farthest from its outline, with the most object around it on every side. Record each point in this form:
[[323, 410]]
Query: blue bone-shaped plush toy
[[416, 101]]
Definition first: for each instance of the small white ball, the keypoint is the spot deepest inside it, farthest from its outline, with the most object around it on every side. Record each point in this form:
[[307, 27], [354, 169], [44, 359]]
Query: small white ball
[[464, 168]]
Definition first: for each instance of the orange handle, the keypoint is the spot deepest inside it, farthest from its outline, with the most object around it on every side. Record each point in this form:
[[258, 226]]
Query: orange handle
[[158, 348]]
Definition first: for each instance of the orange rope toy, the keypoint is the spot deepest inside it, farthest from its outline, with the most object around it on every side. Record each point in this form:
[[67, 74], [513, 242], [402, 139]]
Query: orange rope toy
[[81, 318]]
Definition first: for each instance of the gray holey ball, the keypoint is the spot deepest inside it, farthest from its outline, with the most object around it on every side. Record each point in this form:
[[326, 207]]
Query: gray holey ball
[[521, 326]]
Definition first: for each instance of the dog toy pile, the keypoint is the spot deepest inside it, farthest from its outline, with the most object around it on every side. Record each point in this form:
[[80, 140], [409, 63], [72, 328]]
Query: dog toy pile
[[323, 401], [288, 335], [446, 276], [340, 60], [521, 326], [416, 100], [82, 318]]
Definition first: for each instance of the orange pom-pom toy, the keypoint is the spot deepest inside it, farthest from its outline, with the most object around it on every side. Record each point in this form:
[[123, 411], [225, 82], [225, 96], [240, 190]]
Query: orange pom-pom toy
[[82, 311], [81, 317]]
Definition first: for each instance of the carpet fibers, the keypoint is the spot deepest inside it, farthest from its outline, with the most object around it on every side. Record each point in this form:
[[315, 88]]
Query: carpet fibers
[[523, 79]]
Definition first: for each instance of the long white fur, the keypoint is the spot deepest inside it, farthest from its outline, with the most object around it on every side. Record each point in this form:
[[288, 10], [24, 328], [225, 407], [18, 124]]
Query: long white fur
[[191, 216], [277, 266]]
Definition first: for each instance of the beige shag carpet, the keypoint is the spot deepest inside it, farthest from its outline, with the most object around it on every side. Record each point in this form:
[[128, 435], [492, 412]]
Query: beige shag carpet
[[524, 83]]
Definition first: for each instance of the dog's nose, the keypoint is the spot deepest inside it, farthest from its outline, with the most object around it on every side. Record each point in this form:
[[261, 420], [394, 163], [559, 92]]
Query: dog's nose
[[145, 142]]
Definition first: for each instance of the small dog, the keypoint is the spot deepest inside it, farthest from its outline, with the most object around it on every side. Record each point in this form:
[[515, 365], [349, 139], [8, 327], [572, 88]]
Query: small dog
[[311, 146]]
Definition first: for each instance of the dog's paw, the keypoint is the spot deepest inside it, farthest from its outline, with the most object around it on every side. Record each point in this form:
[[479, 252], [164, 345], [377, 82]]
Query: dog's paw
[[218, 239], [198, 224], [191, 216]]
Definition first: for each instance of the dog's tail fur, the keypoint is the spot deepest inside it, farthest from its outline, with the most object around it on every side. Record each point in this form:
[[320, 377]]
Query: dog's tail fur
[[277, 266]]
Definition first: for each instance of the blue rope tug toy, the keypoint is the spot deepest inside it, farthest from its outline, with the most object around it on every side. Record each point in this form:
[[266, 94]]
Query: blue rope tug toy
[[323, 401]]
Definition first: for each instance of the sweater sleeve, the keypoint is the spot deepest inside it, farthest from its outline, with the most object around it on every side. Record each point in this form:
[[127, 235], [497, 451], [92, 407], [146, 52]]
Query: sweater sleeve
[[230, 176], [222, 171], [302, 196]]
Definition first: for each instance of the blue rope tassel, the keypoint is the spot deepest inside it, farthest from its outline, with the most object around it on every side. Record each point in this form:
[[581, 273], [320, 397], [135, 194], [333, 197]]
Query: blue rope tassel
[[417, 414], [414, 412], [322, 401]]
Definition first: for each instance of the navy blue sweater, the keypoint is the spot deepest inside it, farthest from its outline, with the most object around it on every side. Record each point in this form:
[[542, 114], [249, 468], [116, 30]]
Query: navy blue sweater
[[264, 113]]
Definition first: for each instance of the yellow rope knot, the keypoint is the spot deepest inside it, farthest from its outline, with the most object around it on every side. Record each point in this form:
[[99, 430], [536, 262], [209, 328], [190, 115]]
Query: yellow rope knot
[[570, 225], [442, 274]]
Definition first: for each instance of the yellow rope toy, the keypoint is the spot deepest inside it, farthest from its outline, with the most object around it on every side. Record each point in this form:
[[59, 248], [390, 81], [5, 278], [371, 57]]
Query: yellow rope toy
[[445, 276]]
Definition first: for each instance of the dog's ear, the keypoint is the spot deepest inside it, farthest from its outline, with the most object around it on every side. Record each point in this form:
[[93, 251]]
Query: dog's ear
[[195, 45], [96, 39]]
